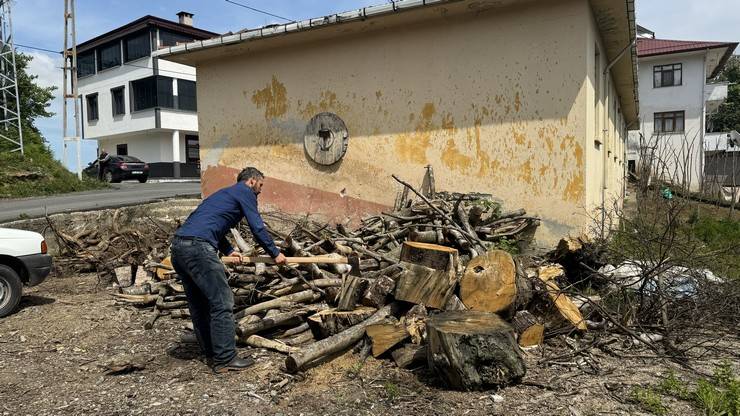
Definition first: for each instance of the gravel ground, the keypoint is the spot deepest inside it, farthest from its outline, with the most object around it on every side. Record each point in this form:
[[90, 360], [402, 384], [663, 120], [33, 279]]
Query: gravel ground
[[56, 351]]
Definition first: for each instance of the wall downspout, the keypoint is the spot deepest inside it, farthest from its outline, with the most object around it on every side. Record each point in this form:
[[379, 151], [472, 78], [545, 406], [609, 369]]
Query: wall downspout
[[702, 123], [605, 132]]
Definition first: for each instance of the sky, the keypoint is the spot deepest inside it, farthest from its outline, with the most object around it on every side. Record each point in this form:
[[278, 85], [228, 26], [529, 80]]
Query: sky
[[40, 23]]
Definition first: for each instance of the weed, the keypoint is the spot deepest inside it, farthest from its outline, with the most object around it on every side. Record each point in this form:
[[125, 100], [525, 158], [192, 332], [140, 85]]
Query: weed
[[392, 390], [649, 400], [715, 396], [505, 244]]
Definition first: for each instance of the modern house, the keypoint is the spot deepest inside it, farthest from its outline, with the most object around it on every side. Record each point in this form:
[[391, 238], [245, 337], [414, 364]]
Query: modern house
[[138, 105], [676, 99], [527, 100]]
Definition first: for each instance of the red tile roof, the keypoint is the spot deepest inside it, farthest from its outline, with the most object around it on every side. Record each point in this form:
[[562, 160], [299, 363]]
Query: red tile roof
[[652, 47]]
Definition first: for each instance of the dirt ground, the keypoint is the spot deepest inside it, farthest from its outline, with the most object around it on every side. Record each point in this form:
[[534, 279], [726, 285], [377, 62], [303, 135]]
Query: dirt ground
[[55, 352]]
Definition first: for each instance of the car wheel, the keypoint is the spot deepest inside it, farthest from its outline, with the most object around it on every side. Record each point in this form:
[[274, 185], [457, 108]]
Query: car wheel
[[11, 290], [108, 176], [143, 180]]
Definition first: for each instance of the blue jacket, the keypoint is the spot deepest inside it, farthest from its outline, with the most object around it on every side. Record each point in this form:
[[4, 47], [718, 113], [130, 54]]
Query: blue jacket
[[223, 210]]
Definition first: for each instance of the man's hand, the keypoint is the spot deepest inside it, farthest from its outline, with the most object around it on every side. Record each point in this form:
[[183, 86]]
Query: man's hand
[[237, 255], [280, 259]]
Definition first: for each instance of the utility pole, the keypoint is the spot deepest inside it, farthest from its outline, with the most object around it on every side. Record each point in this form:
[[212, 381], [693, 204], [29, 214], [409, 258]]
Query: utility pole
[[10, 125], [70, 83]]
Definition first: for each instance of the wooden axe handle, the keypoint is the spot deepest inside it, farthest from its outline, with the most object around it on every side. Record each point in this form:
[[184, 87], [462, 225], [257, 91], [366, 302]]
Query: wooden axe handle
[[296, 260]]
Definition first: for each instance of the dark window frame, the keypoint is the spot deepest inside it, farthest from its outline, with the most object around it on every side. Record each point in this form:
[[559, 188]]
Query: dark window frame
[[92, 111], [189, 139], [123, 146], [81, 64], [118, 108], [189, 100], [99, 56], [158, 93], [172, 38], [141, 53], [665, 75], [660, 122]]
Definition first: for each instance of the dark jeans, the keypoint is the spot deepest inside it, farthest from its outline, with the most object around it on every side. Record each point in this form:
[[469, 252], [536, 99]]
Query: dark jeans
[[210, 299]]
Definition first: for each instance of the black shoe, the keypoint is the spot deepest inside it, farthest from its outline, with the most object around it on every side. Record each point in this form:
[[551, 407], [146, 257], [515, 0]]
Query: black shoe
[[237, 364]]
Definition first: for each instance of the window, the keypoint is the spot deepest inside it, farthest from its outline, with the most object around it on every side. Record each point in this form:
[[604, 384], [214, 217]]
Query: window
[[117, 101], [122, 149], [669, 122], [152, 92], [167, 38], [192, 149], [86, 64], [92, 107], [186, 95], [109, 55], [136, 46], [667, 75]]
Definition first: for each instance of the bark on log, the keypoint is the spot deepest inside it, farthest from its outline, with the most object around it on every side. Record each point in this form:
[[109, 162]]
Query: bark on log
[[489, 282], [332, 321], [305, 296], [352, 288], [531, 331], [260, 342], [377, 292], [429, 255], [425, 286], [296, 361], [455, 304], [299, 287], [409, 354], [302, 338], [473, 350], [385, 336], [279, 319], [295, 331]]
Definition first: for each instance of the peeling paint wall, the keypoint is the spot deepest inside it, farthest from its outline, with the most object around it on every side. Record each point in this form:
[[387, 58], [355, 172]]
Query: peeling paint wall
[[496, 100]]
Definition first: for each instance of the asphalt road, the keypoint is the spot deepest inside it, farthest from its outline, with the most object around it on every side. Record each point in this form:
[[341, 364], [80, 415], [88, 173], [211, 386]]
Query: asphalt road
[[121, 194]]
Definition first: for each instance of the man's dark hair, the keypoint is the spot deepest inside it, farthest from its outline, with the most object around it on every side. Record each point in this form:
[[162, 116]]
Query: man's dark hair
[[249, 173]]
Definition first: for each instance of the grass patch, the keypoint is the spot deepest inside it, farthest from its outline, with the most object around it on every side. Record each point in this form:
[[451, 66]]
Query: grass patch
[[38, 174], [649, 400]]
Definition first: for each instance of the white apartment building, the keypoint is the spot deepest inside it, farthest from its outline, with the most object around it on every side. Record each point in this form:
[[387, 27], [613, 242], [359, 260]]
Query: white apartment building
[[675, 100], [138, 105]]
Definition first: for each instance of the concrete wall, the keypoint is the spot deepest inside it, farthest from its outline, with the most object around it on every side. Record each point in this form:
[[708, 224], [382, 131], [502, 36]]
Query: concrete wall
[[678, 157], [151, 146], [499, 101]]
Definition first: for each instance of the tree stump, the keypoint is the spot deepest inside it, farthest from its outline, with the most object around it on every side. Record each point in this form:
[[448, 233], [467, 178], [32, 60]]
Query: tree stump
[[489, 282], [424, 286], [472, 350], [531, 331]]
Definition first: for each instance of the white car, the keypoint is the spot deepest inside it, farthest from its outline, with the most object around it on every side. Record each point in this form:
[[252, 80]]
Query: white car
[[23, 261]]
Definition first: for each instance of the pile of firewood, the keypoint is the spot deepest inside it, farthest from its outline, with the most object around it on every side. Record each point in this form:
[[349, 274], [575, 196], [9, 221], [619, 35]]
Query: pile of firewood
[[432, 287]]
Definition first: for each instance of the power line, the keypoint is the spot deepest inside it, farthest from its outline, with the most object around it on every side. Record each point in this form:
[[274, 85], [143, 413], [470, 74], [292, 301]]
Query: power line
[[36, 48], [260, 11]]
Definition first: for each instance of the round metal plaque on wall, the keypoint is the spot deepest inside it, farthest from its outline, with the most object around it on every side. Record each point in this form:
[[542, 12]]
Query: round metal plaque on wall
[[326, 139]]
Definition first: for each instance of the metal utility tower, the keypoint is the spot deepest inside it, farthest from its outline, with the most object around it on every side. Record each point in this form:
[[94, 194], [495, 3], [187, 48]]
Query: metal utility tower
[[70, 82], [10, 125]]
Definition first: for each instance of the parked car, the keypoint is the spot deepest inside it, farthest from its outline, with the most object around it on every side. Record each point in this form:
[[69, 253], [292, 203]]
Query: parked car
[[23, 261], [120, 168]]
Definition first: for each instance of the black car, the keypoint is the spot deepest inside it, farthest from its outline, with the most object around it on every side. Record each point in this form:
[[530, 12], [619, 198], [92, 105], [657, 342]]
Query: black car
[[120, 168]]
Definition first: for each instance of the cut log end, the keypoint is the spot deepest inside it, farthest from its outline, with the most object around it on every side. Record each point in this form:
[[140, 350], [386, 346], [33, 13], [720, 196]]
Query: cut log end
[[489, 282]]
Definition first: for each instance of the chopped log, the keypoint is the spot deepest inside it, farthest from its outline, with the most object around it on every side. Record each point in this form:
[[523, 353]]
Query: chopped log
[[124, 276], [294, 331], [302, 338], [425, 286], [473, 350], [298, 287], [139, 300], [423, 237], [278, 319], [283, 301], [430, 255], [409, 354], [563, 304], [178, 304], [489, 282], [531, 331], [260, 342], [244, 247], [415, 323], [332, 321], [343, 340], [161, 272], [352, 288], [455, 304], [377, 292], [179, 313], [385, 336]]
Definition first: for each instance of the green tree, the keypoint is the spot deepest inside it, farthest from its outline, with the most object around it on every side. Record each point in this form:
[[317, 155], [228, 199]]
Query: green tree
[[728, 116]]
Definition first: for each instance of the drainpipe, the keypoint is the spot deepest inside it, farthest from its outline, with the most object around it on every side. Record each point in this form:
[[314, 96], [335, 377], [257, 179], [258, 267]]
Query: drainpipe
[[702, 123], [605, 132]]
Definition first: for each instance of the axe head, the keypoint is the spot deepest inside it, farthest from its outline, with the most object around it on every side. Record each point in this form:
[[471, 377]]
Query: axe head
[[353, 260]]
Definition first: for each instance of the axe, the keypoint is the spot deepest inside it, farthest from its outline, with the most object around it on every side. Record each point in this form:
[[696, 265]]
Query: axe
[[353, 260]]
